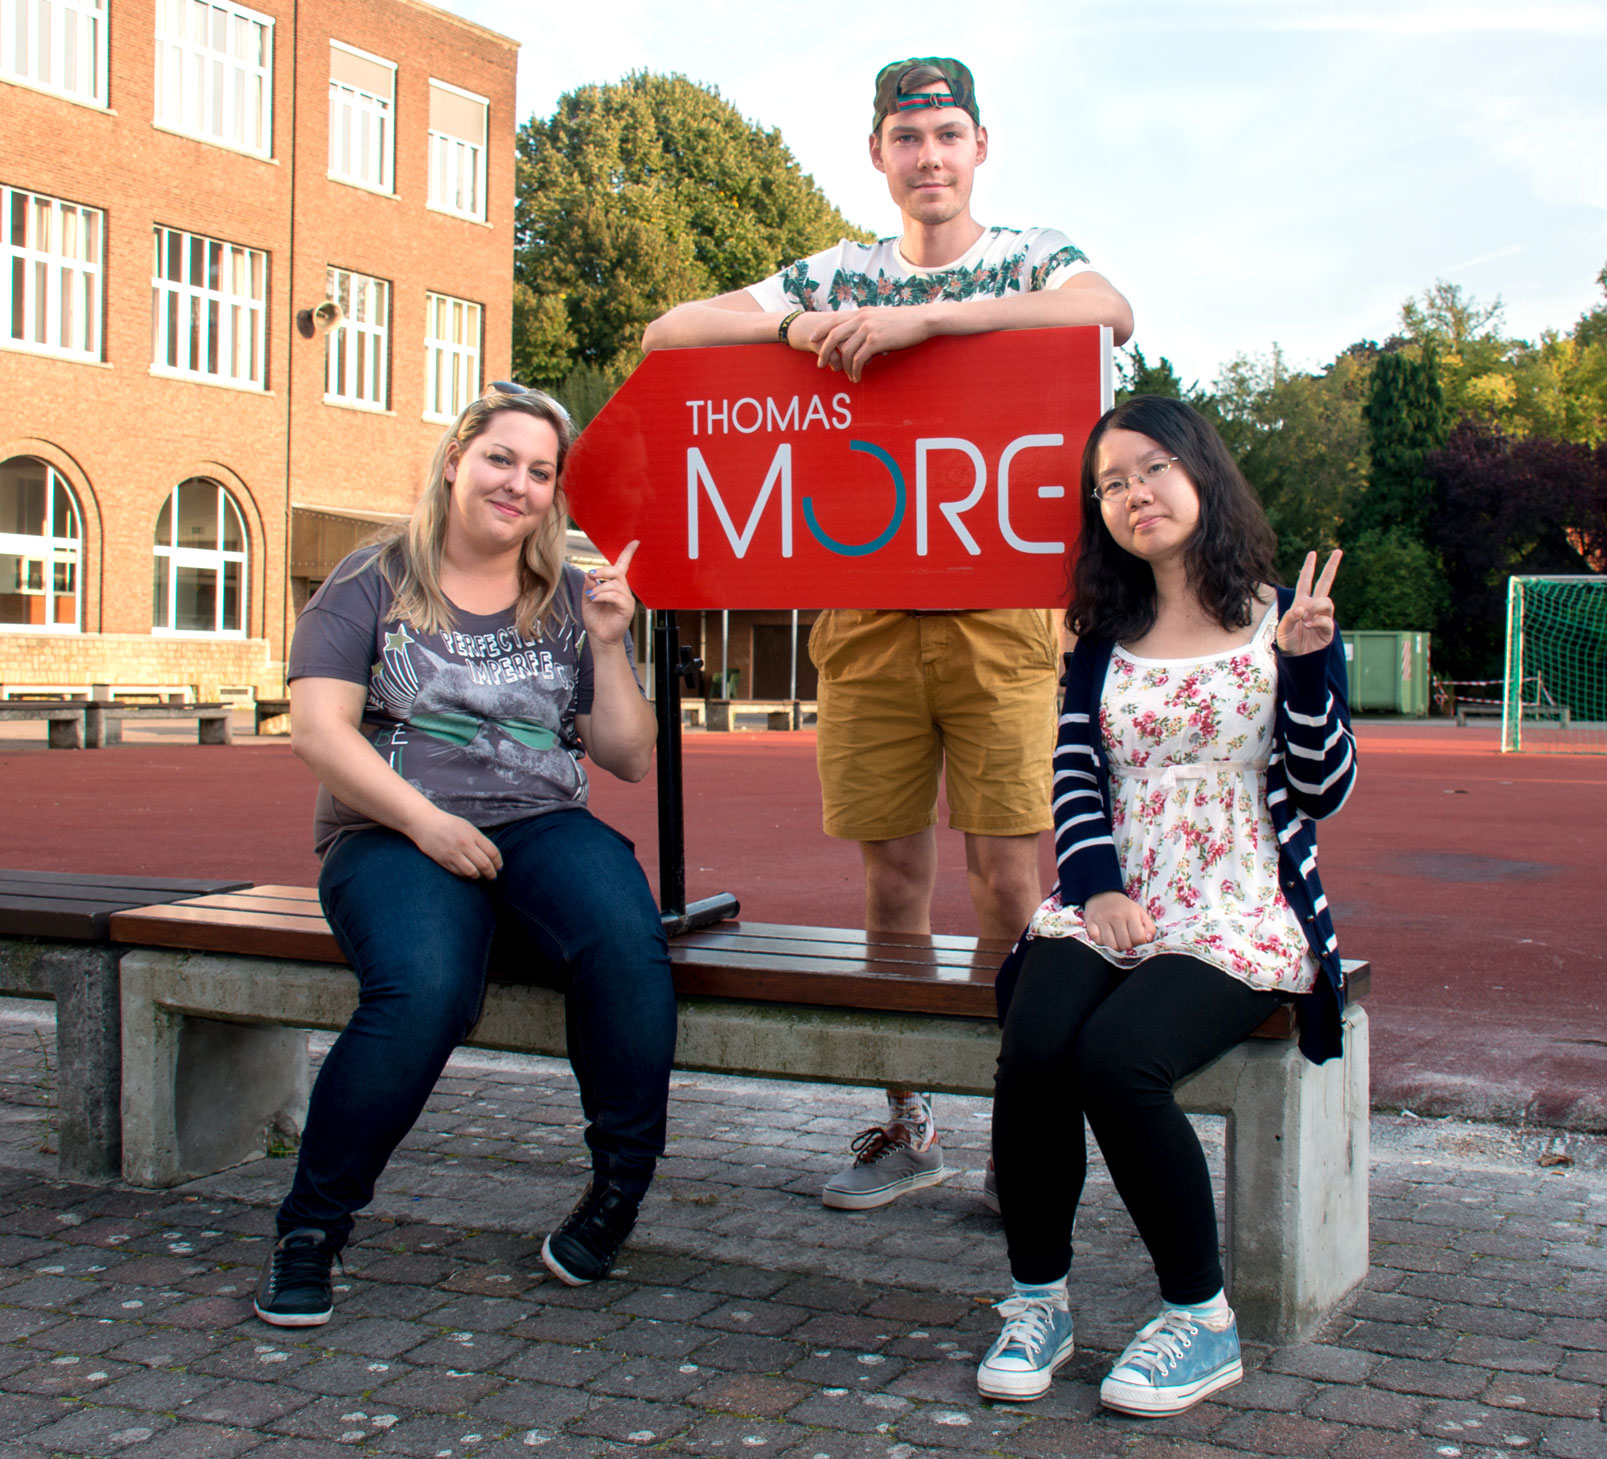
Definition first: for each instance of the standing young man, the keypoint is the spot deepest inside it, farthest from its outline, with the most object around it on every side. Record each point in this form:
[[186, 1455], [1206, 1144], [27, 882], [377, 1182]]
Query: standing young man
[[904, 695]]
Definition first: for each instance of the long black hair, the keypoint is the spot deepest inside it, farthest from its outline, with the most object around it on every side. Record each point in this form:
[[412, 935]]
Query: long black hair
[[1227, 559]]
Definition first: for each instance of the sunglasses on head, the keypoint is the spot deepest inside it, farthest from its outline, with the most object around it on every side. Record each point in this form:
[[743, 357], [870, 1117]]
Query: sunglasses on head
[[513, 387]]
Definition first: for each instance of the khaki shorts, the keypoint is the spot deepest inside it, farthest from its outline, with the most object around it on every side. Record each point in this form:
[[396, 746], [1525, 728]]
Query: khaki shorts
[[902, 695]]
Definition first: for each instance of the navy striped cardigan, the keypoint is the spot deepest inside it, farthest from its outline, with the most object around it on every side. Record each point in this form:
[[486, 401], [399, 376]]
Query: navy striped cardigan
[[1309, 776]]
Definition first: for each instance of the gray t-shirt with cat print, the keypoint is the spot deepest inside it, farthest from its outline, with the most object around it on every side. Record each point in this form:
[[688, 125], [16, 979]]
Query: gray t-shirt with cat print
[[478, 718]]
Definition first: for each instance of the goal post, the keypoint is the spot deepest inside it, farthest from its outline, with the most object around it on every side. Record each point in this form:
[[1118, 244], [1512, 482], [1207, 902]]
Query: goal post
[[1555, 685]]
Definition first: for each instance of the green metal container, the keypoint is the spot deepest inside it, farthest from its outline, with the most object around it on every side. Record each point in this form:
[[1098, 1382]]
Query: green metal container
[[1388, 671]]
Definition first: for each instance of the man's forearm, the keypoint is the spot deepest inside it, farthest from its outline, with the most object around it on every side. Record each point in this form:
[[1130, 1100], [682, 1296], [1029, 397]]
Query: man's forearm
[[1042, 309], [705, 322]]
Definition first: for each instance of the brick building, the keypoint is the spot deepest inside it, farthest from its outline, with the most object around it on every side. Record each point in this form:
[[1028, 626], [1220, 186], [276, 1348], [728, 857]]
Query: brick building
[[190, 435]]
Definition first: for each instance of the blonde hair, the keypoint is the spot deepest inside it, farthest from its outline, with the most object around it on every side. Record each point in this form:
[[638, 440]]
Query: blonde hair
[[410, 552]]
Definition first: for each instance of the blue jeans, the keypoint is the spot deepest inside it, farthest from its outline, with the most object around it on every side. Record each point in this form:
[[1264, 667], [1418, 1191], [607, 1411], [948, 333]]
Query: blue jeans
[[570, 909]]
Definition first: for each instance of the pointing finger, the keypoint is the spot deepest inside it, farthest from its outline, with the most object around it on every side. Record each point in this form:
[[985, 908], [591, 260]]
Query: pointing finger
[[628, 551]]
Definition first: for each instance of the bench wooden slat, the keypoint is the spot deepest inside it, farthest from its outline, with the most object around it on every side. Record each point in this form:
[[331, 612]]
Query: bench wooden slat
[[286, 894], [89, 897], [773, 958], [158, 885], [809, 954], [840, 986], [80, 907], [794, 935], [834, 941], [223, 929], [258, 899]]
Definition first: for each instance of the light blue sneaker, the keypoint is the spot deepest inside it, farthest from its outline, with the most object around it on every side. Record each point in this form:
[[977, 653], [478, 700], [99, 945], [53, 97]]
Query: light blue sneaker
[[1036, 1340], [1173, 1363]]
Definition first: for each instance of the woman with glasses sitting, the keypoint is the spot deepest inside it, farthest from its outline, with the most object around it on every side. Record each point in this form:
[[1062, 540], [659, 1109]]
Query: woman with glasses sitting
[[445, 687], [1205, 726]]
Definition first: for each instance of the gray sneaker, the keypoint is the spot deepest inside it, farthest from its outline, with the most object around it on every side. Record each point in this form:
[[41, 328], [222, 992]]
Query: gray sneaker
[[885, 1167], [990, 1188]]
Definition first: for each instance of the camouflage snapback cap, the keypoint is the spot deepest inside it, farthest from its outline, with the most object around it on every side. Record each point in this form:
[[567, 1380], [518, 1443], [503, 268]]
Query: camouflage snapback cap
[[890, 97]]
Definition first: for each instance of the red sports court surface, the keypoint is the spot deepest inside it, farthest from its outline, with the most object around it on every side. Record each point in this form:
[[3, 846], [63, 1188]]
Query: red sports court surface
[[1472, 880]]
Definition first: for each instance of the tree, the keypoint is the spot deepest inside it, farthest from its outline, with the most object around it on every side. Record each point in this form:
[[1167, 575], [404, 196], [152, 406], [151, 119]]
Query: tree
[[1555, 386], [1406, 419], [1500, 506], [1473, 357], [1136, 376], [1390, 579], [1559, 386], [636, 195], [1302, 444], [1592, 327], [1451, 319]]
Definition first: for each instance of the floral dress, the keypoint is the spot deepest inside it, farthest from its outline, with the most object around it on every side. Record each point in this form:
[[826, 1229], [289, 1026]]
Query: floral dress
[[1187, 742]]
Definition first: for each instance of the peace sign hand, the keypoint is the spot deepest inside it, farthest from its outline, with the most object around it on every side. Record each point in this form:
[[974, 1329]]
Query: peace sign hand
[[1309, 624]]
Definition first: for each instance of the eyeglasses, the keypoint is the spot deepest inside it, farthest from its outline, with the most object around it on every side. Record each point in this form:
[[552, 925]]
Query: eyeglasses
[[513, 387], [1117, 487]]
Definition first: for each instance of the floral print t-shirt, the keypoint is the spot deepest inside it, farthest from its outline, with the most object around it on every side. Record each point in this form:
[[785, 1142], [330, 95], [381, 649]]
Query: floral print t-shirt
[[1002, 261], [1187, 742]]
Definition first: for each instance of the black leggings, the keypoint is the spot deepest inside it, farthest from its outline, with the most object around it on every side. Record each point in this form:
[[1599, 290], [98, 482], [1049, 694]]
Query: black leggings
[[1085, 1037]]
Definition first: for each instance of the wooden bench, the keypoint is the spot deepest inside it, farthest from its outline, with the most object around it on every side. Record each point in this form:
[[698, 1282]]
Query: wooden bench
[[218, 988], [103, 720], [54, 944], [65, 717]]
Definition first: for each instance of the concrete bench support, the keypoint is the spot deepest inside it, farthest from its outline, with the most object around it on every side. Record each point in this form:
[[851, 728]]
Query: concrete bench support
[[273, 716], [64, 728], [89, 1057], [1297, 1172], [66, 732], [211, 1071]]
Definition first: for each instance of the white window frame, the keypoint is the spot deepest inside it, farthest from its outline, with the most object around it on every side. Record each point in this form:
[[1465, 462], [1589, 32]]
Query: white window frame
[[362, 130], [454, 160], [201, 331], [66, 55], [209, 92], [451, 365], [50, 552], [52, 293], [205, 559], [357, 363]]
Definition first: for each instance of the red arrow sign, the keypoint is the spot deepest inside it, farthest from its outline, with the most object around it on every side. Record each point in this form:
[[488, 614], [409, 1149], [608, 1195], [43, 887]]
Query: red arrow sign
[[947, 478]]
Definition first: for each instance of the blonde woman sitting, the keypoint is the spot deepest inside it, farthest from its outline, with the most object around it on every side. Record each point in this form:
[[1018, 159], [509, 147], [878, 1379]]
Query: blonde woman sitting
[[445, 686]]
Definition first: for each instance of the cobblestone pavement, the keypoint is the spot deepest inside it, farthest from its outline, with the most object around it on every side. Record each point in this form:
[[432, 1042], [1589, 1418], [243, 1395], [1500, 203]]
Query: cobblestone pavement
[[745, 1318]]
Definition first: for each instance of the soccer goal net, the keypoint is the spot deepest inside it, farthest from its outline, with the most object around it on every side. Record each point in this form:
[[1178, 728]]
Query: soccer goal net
[[1555, 690]]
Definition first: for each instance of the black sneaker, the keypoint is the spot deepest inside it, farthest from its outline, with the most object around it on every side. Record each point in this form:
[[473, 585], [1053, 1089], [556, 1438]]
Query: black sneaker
[[294, 1288], [585, 1248]]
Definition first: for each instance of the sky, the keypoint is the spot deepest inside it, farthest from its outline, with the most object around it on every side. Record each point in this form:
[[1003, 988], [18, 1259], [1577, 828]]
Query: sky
[[1247, 172]]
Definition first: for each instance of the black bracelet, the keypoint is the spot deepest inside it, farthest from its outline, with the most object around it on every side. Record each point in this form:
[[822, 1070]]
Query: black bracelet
[[786, 324]]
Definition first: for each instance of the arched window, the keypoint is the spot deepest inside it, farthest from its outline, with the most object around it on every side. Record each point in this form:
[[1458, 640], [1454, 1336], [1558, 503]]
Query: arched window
[[41, 549], [200, 582]]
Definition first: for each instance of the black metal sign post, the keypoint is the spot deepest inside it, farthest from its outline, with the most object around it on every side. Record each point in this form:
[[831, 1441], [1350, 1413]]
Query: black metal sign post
[[673, 665]]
